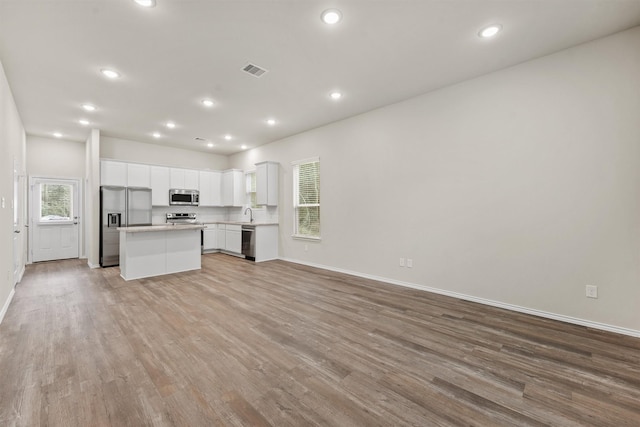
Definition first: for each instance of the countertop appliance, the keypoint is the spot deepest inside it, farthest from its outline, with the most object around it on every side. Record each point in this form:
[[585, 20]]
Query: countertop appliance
[[182, 218], [178, 197], [249, 242], [120, 207]]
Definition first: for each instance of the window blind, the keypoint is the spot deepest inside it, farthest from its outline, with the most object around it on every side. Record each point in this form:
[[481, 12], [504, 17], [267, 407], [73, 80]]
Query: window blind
[[307, 199]]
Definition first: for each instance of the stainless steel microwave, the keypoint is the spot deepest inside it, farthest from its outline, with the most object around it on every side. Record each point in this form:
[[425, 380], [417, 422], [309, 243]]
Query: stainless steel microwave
[[184, 197]]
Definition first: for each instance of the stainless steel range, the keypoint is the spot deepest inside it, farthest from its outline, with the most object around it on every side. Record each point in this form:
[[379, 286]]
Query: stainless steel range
[[182, 218]]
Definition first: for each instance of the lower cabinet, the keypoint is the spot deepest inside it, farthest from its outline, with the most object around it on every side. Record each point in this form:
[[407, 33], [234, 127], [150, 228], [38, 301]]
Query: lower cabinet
[[222, 236], [233, 238], [228, 238], [210, 237]]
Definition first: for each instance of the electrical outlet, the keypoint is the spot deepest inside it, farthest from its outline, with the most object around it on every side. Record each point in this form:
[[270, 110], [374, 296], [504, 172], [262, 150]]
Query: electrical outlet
[[592, 291], [409, 263], [401, 262]]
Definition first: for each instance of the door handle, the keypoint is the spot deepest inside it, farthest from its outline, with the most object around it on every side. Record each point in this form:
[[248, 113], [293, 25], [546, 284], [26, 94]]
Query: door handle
[[16, 231]]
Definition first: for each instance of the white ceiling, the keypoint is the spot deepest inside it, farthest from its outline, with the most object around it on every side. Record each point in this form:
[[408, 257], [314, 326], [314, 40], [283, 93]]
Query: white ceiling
[[182, 51]]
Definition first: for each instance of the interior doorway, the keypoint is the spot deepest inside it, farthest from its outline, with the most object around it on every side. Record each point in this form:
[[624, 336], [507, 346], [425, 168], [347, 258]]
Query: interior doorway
[[18, 220]]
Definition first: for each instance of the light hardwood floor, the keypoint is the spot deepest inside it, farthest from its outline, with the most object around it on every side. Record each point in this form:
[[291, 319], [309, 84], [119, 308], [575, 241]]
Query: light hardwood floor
[[280, 344]]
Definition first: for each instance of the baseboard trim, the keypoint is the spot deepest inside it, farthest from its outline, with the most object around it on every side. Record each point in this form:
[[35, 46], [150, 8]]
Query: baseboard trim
[[21, 273], [6, 304], [498, 304], [92, 265]]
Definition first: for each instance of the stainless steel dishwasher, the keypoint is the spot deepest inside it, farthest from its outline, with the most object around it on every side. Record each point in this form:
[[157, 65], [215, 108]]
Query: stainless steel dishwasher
[[249, 242]]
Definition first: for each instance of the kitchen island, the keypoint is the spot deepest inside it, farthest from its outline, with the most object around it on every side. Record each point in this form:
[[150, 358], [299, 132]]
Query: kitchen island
[[153, 250]]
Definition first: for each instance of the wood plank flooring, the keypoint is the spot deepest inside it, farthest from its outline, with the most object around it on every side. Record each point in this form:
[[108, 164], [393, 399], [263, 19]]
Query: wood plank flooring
[[279, 344]]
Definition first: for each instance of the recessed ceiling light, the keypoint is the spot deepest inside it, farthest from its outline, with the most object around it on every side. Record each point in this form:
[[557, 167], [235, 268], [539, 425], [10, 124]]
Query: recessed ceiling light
[[207, 102], [331, 16], [244, 147], [156, 134], [171, 125], [335, 95], [210, 145], [89, 107], [146, 3], [84, 122], [228, 137], [490, 31], [271, 122], [57, 134], [112, 74]]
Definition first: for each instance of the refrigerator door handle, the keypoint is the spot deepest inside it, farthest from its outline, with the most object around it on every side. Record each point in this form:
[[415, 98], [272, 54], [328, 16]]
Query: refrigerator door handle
[[114, 220]]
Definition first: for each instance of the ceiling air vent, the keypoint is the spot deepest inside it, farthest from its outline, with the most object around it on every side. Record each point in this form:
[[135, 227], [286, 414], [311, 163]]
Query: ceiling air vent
[[254, 70]]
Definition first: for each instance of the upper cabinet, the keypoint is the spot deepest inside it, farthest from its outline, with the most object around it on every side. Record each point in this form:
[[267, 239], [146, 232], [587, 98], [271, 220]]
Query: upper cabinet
[[113, 173], [233, 190], [123, 174], [267, 183], [210, 188], [160, 186], [184, 179], [138, 175], [216, 188]]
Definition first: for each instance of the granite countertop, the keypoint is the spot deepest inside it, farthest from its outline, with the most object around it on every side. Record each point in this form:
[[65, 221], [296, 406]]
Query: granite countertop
[[241, 223], [162, 227]]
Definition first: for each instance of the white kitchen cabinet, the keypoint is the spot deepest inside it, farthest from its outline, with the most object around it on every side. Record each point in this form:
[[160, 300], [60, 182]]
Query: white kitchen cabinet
[[266, 242], [267, 183], [210, 188], [233, 189], [138, 175], [113, 173], [222, 236], [210, 237], [160, 181], [233, 238], [191, 181], [184, 179], [176, 178]]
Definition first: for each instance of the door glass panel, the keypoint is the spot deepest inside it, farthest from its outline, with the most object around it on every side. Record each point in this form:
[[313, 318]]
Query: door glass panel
[[56, 202]]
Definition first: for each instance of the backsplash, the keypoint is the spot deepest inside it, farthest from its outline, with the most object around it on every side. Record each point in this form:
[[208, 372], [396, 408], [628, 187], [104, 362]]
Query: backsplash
[[215, 214], [263, 214]]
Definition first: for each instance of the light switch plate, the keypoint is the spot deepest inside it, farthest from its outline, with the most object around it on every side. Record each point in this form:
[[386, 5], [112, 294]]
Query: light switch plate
[[2, 203]]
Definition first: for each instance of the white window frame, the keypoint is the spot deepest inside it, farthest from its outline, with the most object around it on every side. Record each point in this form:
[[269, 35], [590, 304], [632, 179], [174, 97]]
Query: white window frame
[[295, 174]]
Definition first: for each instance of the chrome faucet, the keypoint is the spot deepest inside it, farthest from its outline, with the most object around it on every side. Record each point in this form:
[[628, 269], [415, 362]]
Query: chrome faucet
[[250, 213]]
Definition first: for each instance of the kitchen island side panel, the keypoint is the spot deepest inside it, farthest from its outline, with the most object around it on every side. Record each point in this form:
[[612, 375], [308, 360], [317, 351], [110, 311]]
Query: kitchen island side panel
[[142, 254], [157, 250]]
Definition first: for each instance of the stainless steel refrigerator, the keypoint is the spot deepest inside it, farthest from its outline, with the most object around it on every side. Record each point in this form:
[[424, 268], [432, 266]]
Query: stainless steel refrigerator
[[120, 207]]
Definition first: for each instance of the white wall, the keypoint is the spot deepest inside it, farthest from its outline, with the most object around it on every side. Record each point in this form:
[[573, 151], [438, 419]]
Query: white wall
[[55, 158], [12, 148], [134, 151], [519, 187]]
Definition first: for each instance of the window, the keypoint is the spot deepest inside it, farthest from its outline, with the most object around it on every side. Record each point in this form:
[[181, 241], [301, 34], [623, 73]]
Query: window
[[55, 202], [251, 189], [306, 198]]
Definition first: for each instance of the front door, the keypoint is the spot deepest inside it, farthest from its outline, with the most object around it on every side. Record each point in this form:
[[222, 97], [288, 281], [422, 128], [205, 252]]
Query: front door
[[54, 219]]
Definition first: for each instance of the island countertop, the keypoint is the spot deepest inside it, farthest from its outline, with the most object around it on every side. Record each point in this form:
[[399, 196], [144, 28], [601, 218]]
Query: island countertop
[[162, 227]]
